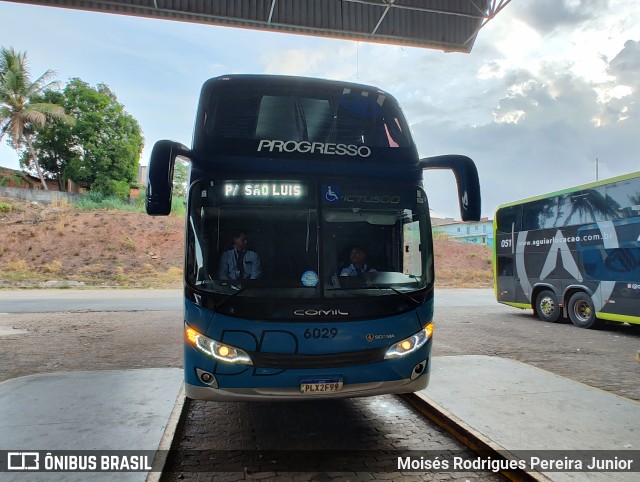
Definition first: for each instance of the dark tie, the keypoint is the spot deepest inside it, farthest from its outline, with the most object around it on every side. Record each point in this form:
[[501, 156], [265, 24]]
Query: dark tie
[[240, 263]]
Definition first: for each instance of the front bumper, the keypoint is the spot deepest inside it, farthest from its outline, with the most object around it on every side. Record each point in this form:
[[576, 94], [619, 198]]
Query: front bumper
[[273, 393]]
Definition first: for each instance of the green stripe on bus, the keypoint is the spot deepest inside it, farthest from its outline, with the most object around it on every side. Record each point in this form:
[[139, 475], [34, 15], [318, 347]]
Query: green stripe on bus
[[523, 306], [620, 318]]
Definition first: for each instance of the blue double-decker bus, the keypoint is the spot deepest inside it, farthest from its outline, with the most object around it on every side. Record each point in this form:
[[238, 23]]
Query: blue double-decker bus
[[308, 262]]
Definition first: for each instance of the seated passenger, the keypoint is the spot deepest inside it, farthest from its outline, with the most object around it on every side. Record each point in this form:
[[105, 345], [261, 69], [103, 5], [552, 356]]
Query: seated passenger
[[238, 262], [358, 258]]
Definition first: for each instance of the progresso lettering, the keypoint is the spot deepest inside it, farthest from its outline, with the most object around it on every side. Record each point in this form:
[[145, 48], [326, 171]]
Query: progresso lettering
[[305, 147]]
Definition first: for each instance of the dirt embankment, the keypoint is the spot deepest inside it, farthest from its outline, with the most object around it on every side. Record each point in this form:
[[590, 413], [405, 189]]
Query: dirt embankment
[[62, 246], [57, 244], [462, 265]]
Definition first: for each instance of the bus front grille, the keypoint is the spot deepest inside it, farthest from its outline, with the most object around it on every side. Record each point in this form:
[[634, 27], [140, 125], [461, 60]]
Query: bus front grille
[[294, 360]]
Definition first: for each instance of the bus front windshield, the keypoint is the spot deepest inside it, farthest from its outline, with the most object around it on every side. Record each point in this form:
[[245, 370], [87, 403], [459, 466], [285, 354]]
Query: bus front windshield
[[273, 240]]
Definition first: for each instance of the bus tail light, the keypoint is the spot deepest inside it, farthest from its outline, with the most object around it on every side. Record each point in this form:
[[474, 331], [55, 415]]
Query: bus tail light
[[409, 345], [219, 351]]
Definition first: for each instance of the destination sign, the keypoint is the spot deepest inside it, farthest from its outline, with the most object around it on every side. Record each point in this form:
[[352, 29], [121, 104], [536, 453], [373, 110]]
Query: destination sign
[[264, 190]]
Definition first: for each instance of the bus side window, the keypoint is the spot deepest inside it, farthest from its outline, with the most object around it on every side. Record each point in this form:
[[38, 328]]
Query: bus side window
[[623, 193], [581, 207], [539, 214], [509, 219]]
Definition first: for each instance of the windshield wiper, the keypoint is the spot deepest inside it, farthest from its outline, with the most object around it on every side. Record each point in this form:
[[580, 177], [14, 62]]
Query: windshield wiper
[[381, 288], [402, 293], [239, 289]]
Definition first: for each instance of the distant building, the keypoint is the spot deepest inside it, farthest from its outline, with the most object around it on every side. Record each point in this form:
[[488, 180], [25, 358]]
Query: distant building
[[142, 176], [20, 179], [141, 183], [24, 180], [476, 232]]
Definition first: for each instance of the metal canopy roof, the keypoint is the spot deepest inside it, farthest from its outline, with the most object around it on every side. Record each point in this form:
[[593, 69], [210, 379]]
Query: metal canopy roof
[[449, 25]]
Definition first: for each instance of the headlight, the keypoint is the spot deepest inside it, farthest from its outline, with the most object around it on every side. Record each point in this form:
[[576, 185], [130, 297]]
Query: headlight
[[411, 344], [220, 351]]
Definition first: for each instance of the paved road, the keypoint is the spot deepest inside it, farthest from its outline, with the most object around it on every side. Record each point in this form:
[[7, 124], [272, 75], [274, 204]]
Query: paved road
[[468, 322], [62, 300], [462, 297], [358, 439], [58, 301]]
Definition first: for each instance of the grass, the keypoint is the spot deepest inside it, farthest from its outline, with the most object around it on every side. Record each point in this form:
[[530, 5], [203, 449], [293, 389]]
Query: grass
[[6, 207], [61, 224], [469, 278], [93, 201], [97, 274], [128, 243], [54, 267], [19, 270], [32, 268]]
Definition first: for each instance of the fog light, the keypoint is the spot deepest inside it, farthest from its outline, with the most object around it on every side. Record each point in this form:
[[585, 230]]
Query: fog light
[[418, 369], [207, 378]]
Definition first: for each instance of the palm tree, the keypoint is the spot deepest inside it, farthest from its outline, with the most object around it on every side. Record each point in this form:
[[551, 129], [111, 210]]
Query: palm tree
[[591, 205], [19, 112]]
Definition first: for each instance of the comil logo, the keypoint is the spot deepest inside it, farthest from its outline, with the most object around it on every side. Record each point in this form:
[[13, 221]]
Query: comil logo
[[314, 312], [305, 147]]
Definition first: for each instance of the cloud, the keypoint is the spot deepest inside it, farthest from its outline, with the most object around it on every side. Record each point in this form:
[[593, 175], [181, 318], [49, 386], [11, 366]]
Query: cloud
[[312, 57], [546, 16], [547, 129], [533, 124], [626, 65]]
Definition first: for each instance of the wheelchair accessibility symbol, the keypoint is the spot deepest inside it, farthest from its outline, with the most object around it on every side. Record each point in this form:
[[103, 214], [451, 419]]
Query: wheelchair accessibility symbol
[[331, 193]]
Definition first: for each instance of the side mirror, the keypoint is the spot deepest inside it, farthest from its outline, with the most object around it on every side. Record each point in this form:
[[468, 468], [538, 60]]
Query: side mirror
[[160, 176], [467, 179]]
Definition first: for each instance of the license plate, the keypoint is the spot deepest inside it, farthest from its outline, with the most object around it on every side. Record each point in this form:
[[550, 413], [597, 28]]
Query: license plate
[[321, 386]]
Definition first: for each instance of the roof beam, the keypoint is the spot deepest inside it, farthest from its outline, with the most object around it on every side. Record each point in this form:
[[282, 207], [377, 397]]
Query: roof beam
[[449, 25], [494, 7]]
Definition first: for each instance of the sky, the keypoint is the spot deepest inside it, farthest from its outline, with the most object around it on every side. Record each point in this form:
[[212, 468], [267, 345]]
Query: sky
[[550, 89]]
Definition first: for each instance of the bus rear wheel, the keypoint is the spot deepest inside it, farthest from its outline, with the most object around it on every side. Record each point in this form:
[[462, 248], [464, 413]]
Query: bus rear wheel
[[582, 312], [547, 306]]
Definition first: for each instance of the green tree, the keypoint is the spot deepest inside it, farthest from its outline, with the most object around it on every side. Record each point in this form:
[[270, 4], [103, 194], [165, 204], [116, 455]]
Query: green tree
[[109, 140], [54, 143], [180, 178], [20, 115]]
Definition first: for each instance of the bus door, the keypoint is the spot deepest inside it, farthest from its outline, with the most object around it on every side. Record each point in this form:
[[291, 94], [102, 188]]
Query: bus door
[[507, 225], [506, 284]]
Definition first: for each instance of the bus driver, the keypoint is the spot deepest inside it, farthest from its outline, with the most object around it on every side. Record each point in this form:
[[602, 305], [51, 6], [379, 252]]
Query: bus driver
[[358, 258], [238, 262]]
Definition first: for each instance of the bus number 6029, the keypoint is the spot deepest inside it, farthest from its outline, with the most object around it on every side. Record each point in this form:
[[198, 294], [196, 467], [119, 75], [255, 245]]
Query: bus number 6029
[[320, 333]]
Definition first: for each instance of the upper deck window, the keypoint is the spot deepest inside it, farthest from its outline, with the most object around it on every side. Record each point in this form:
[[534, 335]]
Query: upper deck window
[[305, 113]]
